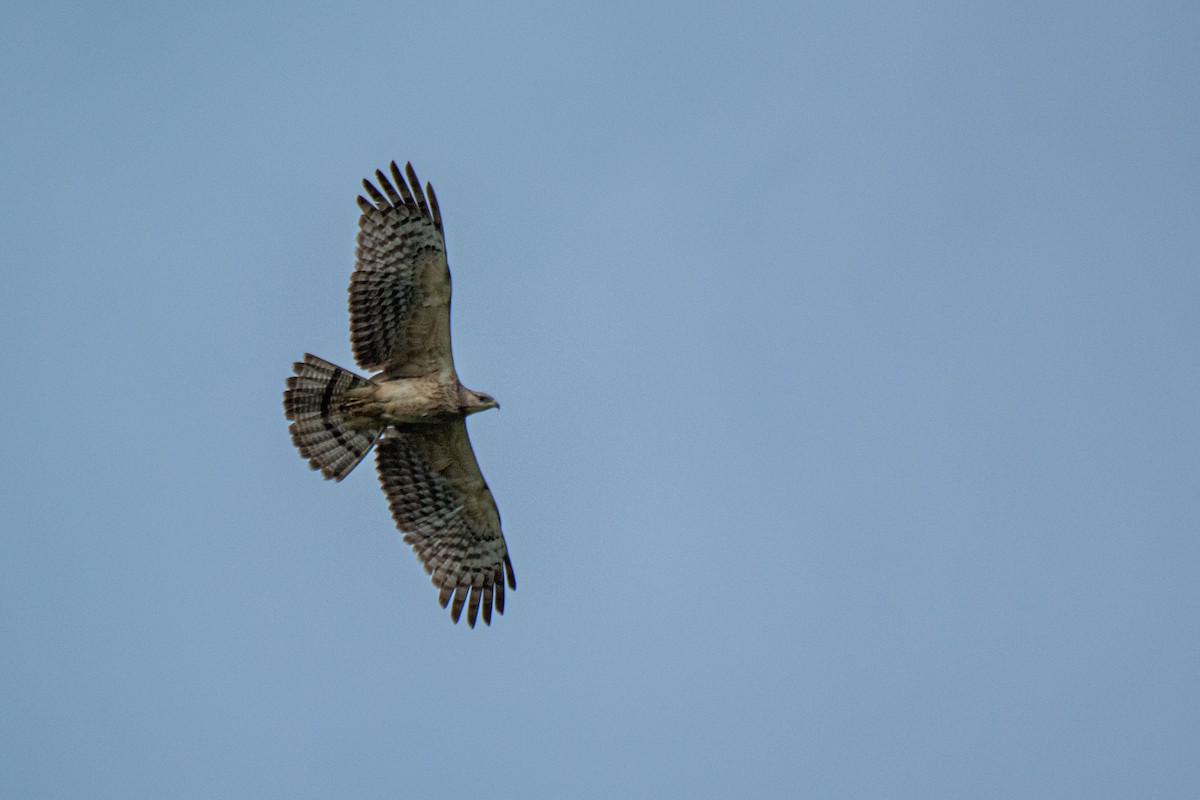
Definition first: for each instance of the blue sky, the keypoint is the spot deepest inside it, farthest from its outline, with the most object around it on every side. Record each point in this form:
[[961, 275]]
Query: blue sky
[[848, 363]]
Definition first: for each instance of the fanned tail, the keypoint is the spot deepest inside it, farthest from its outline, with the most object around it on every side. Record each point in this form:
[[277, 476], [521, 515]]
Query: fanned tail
[[318, 429]]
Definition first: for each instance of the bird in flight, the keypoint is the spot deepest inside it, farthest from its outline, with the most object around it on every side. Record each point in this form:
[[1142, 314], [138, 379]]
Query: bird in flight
[[414, 409]]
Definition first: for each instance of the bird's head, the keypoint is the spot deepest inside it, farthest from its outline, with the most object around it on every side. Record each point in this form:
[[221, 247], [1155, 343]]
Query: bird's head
[[473, 402]]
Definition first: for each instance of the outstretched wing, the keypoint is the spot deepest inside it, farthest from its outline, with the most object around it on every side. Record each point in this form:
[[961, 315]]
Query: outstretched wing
[[400, 287], [443, 506]]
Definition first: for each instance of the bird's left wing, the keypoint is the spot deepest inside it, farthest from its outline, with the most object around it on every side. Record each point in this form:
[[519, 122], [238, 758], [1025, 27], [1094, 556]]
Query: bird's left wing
[[441, 503], [400, 287]]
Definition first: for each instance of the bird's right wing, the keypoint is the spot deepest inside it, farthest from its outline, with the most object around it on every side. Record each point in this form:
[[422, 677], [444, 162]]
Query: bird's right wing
[[441, 503]]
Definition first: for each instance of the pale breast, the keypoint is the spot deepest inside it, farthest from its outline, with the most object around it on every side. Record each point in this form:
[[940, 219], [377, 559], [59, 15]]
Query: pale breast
[[412, 400]]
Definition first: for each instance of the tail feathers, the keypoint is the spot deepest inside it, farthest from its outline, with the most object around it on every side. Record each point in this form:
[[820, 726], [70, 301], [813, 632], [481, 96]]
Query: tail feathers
[[318, 428]]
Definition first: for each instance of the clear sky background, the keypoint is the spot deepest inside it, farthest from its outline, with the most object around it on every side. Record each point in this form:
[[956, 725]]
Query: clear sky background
[[848, 355]]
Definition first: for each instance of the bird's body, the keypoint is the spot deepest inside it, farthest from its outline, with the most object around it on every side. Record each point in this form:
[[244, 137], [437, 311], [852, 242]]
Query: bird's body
[[400, 401], [415, 408]]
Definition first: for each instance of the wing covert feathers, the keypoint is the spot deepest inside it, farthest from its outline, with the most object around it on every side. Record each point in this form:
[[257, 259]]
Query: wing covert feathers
[[442, 505]]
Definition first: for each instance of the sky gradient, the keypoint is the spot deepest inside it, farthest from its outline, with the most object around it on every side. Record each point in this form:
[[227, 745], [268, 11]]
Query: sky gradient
[[847, 358]]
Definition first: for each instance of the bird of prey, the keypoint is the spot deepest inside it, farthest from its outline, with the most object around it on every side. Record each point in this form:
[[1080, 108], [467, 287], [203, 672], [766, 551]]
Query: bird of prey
[[414, 409]]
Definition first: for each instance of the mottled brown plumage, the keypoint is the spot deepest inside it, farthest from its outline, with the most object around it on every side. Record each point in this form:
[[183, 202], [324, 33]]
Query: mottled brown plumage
[[415, 408]]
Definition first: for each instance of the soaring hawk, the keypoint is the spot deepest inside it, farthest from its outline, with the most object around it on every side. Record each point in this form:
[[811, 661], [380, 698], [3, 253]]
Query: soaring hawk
[[414, 408]]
